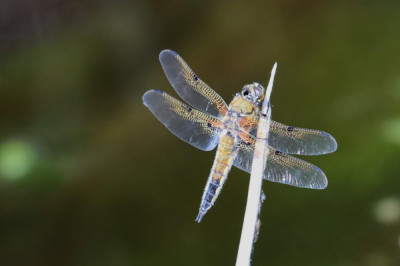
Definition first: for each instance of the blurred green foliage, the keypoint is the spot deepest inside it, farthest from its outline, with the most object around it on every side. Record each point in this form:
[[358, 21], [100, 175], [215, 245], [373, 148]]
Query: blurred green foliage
[[89, 177]]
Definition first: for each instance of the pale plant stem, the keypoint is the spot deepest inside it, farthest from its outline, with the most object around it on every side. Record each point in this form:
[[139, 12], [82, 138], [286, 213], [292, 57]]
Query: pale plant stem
[[257, 172]]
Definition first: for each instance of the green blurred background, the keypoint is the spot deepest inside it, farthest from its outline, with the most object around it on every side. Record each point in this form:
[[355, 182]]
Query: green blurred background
[[89, 177]]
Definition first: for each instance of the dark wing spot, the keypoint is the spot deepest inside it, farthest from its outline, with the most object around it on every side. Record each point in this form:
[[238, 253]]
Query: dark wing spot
[[278, 152], [189, 109], [209, 124], [290, 129], [195, 77]]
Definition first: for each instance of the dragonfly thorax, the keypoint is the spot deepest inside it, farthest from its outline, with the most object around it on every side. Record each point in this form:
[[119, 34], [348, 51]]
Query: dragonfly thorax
[[231, 121]]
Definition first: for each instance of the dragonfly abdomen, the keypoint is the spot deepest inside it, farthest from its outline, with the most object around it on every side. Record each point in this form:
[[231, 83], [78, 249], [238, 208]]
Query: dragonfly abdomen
[[219, 172]]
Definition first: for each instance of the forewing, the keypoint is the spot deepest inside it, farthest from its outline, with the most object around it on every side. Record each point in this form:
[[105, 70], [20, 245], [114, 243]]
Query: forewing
[[295, 140], [281, 168], [190, 87], [192, 126]]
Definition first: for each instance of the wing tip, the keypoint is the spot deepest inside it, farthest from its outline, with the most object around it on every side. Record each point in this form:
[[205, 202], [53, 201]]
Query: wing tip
[[326, 134], [317, 169], [325, 185], [148, 94], [153, 91], [333, 143], [167, 52], [325, 179], [158, 91], [334, 146]]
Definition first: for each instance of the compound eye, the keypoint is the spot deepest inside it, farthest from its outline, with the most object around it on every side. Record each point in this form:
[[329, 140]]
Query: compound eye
[[245, 92]]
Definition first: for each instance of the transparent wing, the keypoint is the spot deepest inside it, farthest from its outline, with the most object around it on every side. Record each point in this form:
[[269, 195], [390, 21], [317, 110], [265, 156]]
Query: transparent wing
[[281, 168], [295, 140], [192, 126], [190, 87]]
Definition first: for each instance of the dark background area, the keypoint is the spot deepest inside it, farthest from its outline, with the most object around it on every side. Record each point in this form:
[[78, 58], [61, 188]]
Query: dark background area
[[89, 177]]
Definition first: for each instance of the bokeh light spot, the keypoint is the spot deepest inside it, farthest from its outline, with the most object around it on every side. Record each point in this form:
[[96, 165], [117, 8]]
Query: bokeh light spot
[[16, 159], [391, 131], [387, 210]]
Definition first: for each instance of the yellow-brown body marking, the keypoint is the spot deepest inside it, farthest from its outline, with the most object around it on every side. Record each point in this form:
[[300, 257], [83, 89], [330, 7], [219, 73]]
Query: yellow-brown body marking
[[239, 112]]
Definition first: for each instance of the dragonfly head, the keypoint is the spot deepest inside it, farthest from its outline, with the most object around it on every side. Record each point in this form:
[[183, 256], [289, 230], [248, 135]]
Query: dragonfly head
[[254, 93]]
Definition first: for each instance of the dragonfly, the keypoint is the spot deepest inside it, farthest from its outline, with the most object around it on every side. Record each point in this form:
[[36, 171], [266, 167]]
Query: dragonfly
[[205, 121]]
